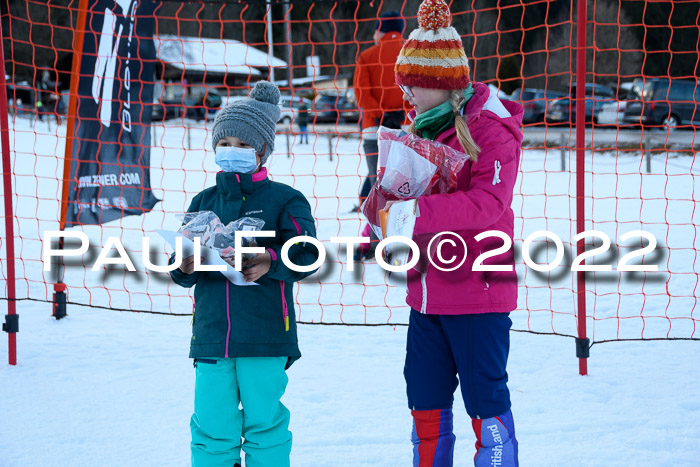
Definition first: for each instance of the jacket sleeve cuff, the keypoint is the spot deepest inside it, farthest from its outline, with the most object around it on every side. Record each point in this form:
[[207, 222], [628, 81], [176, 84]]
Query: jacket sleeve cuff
[[275, 252], [418, 226], [182, 279]]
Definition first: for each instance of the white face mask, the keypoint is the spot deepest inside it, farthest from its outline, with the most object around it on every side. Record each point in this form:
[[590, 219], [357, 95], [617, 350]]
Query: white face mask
[[233, 159]]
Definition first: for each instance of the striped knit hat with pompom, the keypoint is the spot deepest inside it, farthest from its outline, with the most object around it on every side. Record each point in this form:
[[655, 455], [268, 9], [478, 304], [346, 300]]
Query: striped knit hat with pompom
[[433, 56]]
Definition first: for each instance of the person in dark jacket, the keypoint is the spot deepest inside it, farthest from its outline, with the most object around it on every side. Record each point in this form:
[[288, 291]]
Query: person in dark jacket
[[244, 337], [380, 101], [303, 121]]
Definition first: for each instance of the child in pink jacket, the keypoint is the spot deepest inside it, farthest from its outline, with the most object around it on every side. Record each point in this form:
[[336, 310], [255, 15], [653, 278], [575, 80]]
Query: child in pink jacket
[[459, 324]]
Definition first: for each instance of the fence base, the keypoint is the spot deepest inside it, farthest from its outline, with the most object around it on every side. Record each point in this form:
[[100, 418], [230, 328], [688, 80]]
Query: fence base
[[59, 300], [11, 324], [583, 348]]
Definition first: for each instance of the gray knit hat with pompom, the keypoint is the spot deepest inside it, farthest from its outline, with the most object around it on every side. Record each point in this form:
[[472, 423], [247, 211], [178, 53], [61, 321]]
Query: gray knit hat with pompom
[[253, 120]]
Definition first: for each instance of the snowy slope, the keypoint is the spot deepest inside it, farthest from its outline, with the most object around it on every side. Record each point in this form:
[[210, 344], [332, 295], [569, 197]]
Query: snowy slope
[[104, 388]]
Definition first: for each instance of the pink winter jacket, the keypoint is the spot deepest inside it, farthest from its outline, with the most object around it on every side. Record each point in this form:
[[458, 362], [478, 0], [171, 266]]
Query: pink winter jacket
[[482, 202]]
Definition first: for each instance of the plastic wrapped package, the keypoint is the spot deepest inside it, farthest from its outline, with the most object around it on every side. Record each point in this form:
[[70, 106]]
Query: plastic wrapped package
[[409, 167], [405, 174], [213, 234], [398, 144]]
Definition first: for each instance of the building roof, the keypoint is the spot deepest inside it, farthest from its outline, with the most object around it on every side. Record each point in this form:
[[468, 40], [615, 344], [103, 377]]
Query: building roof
[[218, 56]]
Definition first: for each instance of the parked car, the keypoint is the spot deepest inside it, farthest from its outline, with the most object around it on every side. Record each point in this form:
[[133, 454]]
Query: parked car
[[290, 108], [194, 107], [330, 107], [613, 113], [563, 110], [351, 111], [665, 102], [535, 102]]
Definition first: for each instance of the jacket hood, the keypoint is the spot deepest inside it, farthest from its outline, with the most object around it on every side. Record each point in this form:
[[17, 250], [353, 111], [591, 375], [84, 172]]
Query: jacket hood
[[510, 114]]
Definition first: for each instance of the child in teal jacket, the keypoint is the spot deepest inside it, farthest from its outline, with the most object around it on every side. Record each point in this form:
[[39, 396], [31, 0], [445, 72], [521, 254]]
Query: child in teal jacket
[[244, 338]]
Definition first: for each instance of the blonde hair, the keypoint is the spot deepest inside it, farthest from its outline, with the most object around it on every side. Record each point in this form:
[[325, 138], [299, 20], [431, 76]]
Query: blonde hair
[[470, 147], [463, 135]]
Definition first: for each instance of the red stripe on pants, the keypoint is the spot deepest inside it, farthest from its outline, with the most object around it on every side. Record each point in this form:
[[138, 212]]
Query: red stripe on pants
[[427, 424], [476, 424]]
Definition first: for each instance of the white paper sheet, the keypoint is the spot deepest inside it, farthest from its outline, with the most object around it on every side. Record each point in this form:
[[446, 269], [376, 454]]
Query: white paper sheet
[[211, 257], [401, 222]]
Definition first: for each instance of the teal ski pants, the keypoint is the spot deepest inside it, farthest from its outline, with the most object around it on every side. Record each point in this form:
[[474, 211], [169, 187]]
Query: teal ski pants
[[237, 405]]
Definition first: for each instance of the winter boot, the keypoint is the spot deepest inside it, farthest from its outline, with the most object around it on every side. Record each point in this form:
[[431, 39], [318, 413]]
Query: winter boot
[[433, 440], [496, 445]]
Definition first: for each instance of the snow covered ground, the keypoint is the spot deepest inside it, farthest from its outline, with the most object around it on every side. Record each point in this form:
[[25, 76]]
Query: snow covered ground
[[104, 387], [107, 388]]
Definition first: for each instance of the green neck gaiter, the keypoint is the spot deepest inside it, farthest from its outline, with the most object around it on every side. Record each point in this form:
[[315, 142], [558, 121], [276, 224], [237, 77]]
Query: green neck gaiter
[[432, 122]]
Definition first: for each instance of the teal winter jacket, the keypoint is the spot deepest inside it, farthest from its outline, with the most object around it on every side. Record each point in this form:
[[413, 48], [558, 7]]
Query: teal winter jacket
[[251, 321]]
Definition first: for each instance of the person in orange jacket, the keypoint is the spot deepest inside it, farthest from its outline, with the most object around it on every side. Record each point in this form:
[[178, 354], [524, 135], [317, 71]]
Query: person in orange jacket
[[379, 98]]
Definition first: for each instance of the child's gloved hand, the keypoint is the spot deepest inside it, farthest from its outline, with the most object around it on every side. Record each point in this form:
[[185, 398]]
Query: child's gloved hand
[[187, 265], [255, 268], [384, 216], [398, 219], [394, 222]]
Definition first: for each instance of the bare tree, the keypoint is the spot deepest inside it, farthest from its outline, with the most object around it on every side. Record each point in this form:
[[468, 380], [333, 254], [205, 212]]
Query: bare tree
[[614, 53]]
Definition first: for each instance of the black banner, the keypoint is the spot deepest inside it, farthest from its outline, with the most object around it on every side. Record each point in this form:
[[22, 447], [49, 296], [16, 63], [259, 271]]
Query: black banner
[[111, 157]]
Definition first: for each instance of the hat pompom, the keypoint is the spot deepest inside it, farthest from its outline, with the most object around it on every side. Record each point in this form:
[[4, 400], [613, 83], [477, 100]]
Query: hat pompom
[[434, 14], [265, 91]]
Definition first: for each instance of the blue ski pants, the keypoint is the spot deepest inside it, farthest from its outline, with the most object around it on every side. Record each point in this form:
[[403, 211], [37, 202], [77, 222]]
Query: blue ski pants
[[237, 406]]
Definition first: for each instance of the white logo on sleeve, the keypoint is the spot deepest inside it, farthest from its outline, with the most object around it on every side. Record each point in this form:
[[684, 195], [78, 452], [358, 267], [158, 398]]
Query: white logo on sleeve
[[497, 170]]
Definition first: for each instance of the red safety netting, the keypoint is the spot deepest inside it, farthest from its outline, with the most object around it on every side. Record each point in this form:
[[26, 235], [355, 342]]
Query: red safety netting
[[642, 105]]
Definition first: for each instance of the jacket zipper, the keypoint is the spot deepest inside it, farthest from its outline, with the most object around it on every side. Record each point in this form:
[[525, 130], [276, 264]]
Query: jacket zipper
[[296, 224], [424, 285], [228, 318], [285, 312], [483, 273]]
